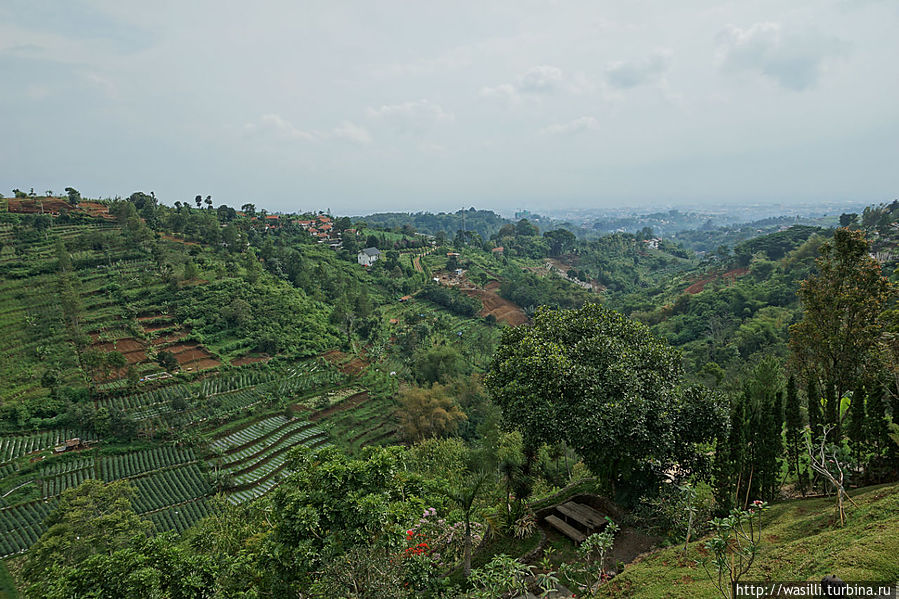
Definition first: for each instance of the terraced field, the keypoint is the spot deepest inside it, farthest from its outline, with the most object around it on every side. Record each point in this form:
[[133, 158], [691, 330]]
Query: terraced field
[[15, 446], [22, 525], [255, 454], [169, 487]]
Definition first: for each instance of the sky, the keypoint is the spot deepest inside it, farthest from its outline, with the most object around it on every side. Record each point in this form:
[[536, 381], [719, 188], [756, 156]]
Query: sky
[[366, 106]]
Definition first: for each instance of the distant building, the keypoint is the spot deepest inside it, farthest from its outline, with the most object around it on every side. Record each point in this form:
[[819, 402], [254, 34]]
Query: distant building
[[498, 251], [368, 256]]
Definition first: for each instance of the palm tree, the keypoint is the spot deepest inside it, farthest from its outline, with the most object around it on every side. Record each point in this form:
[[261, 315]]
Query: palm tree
[[464, 496]]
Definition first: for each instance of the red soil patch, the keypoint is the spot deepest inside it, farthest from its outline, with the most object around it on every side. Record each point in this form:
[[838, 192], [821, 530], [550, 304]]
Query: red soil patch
[[700, 284], [349, 403], [243, 360], [37, 205], [501, 309], [135, 357], [352, 367], [192, 355]]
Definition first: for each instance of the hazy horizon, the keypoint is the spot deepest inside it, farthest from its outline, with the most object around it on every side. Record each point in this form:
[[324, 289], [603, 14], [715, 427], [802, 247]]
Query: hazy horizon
[[405, 107]]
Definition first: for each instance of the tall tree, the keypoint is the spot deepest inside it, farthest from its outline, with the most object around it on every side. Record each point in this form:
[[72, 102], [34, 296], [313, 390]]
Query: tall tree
[[607, 387], [840, 327], [793, 428]]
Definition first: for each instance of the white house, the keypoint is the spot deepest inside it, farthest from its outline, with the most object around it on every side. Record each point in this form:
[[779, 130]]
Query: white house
[[368, 256]]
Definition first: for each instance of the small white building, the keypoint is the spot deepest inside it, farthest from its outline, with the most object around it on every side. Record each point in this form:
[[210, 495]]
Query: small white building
[[368, 256]]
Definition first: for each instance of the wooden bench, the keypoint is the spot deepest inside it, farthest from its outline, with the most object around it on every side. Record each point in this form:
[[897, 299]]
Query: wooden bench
[[566, 529], [583, 514]]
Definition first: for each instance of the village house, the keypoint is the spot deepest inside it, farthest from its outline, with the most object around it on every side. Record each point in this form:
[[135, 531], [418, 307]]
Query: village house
[[368, 256]]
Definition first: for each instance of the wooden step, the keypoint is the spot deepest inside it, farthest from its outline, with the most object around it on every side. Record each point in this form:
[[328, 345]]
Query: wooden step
[[566, 529]]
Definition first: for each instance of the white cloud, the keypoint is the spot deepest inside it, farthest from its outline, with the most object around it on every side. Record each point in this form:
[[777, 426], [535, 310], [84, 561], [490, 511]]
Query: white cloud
[[540, 79], [352, 132], [537, 81], [504, 91], [793, 60], [275, 124], [628, 74], [579, 125], [415, 115]]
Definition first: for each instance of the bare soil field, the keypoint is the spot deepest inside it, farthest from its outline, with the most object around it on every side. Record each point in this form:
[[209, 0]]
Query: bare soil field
[[729, 276], [244, 360]]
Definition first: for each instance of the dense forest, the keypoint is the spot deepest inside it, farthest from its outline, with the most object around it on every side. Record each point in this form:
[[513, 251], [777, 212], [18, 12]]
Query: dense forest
[[206, 401]]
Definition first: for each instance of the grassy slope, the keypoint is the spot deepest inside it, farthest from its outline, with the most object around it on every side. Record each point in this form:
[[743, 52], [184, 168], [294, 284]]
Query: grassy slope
[[801, 542]]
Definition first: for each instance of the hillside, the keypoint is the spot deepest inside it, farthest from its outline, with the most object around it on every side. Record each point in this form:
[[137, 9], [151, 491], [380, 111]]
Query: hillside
[[801, 540]]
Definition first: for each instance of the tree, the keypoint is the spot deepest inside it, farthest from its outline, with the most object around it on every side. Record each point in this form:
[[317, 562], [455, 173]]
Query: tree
[[438, 364], [427, 413], [249, 210], [74, 195], [840, 326], [524, 228], [464, 496], [252, 268], [167, 360], [560, 241], [794, 428], [199, 201], [332, 504], [609, 388], [848, 218], [93, 518]]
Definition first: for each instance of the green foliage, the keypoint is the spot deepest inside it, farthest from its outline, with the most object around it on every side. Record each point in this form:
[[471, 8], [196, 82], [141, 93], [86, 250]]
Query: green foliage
[[282, 320], [842, 304], [612, 391], [450, 298], [331, 504], [90, 520], [438, 364]]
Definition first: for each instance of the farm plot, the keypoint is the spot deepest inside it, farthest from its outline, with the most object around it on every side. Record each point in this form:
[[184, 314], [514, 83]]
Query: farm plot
[[179, 518], [168, 487], [138, 462], [248, 435], [269, 462], [15, 446], [22, 525], [281, 437], [55, 485]]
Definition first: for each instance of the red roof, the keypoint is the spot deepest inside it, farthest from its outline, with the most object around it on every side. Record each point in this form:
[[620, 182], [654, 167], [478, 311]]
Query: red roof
[[497, 249]]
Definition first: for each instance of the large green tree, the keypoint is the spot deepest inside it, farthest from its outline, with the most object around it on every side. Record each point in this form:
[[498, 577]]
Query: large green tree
[[606, 386], [842, 302]]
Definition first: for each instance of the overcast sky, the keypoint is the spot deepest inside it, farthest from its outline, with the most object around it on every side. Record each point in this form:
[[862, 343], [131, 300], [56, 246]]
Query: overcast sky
[[419, 105]]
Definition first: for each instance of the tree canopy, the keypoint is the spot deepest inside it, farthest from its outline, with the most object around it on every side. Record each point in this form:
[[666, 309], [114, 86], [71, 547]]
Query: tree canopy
[[611, 389]]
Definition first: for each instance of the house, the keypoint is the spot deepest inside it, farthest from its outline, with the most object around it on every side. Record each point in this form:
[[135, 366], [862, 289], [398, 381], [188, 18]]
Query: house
[[405, 298], [498, 251], [368, 256]]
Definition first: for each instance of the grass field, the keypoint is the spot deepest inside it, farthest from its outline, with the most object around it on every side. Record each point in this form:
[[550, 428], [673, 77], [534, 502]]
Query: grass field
[[801, 541]]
